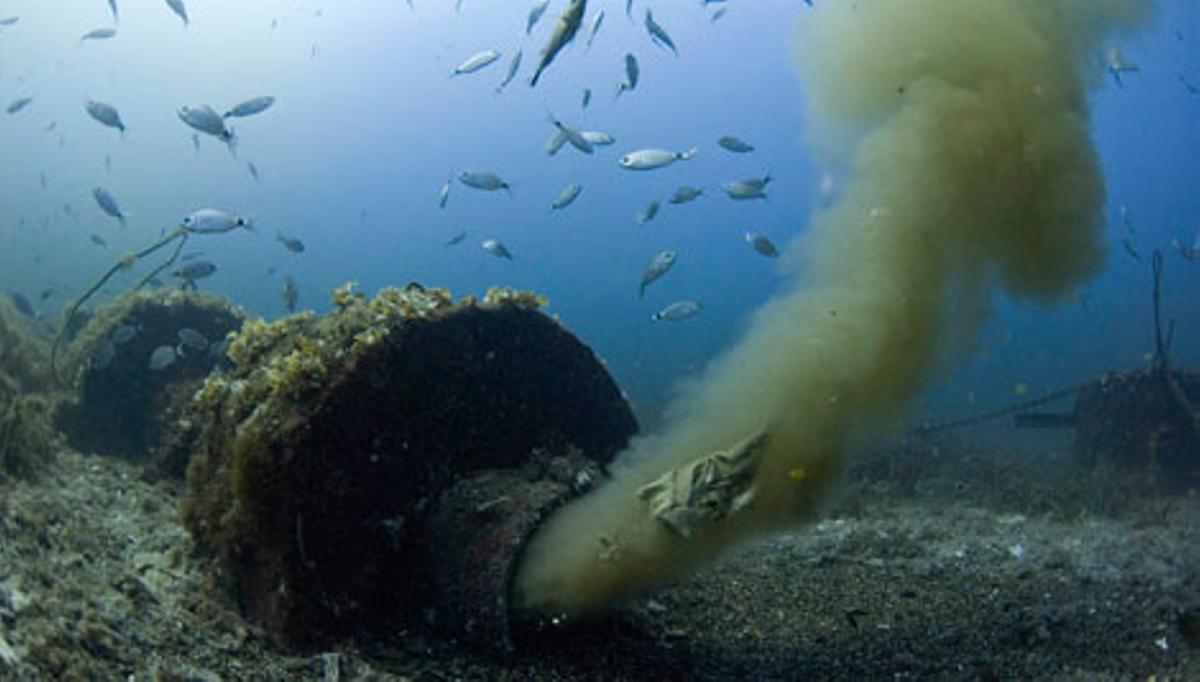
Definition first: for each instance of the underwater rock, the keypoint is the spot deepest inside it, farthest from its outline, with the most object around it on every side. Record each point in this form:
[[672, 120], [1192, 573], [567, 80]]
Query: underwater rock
[[28, 441], [337, 470], [121, 396], [23, 356]]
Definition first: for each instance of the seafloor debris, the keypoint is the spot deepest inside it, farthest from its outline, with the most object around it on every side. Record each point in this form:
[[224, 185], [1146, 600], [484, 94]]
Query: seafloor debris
[[707, 489], [125, 381], [319, 460]]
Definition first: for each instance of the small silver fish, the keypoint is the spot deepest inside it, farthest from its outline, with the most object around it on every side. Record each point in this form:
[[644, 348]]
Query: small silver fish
[[112, 5], [660, 264], [206, 120], [597, 138], [194, 271], [685, 194], [719, 14], [564, 31], [514, 65], [253, 169], [190, 340], [483, 180], [9, 21], [213, 221], [556, 142], [123, 334], [98, 34], [586, 99], [444, 194], [475, 62], [566, 197], [762, 244], [179, 10], [750, 188], [597, 22], [494, 247], [18, 104], [456, 239], [647, 215], [535, 14], [632, 73], [573, 136], [650, 159], [1116, 64], [735, 145], [108, 204], [679, 310], [161, 358], [658, 34], [106, 114], [291, 294], [289, 242], [98, 240], [250, 107]]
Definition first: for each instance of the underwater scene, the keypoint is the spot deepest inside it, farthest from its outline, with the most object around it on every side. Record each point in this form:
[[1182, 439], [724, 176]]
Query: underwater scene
[[599, 339]]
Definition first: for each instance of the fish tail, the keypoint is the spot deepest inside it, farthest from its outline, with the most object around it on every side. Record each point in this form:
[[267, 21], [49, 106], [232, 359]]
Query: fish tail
[[689, 153]]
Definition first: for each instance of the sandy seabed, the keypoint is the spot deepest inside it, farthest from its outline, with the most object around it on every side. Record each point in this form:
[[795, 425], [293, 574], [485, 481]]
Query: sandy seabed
[[958, 571]]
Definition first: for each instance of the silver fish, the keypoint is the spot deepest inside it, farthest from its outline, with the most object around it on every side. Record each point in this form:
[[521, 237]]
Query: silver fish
[[98, 240], [566, 197], [179, 10], [291, 294], [444, 194], [586, 99], [161, 358], [762, 244], [108, 204], [18, 104], [494, 247], [660, 264], [456, 239], [632, 72], [112, 5], [629, 9], [9, 21], [658, 34], [204, 119], [647, 215], [535, 14], [564, 31], [1116, 64], [190, 340], [649, 159], [514, 65], [475, 62], [718, 14], [735, 145], [250, 107], [597, 22], [106, 114], [213, 221], [750, 188], [483, 180], [253, 169], [679, 310], [597, 138], [123, 334], [290, 242], [556, 142], [685, 194], [573, 136], [98, 34]]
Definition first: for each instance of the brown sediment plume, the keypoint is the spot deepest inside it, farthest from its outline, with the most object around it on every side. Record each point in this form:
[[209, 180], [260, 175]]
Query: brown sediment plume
[[965, 127]]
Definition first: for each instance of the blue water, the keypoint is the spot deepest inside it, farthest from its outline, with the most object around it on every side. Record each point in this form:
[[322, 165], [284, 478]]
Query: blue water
[[367, 126]]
